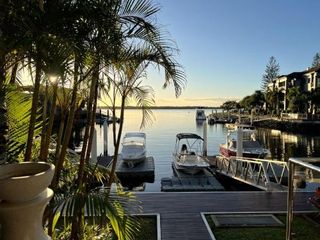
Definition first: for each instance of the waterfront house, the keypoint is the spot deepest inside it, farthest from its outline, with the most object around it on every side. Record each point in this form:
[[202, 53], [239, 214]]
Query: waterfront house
[[307, 81]]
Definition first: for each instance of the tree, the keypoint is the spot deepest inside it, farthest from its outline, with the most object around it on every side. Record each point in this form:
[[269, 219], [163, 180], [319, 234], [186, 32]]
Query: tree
[[246, 102], [127, 84], [78, 41], [258, 99], [272, 97], [271, 73], [297, 100], [228, 105], [316, 60], [315, 100]]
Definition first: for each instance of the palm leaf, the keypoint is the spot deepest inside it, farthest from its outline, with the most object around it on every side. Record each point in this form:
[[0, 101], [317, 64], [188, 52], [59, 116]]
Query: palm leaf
[[102, 207], [18, 105]]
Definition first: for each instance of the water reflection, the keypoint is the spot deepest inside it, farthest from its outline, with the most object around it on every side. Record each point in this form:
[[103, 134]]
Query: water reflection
[[283, 145], [161, 137]]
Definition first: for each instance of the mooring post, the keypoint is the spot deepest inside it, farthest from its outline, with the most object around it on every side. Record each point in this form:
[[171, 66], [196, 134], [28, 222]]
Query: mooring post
[[239, 142], [290, 201], [94, 147], [205, 138], [105, 137]]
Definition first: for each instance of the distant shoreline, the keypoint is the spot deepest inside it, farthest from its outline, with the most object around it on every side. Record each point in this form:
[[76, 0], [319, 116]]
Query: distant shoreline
[[167, 107]]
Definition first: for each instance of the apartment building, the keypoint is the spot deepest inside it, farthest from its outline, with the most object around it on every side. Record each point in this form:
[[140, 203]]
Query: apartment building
[[307, 81]]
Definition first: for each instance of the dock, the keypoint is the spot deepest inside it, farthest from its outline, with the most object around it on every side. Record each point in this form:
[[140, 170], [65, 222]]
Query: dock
[[144, 169], [181, 213], [189, 184], [132, 177], [183, 182]]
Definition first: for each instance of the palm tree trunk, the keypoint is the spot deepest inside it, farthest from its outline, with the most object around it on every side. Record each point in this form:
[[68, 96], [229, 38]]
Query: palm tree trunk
[[33, 114], [45, 149], [92, 125], [59, 137], [77, 223], [3, 112], [85, 147], [14, 73], [49, 213], [44, 124], [117, 144], [68, 129], [85, 154]]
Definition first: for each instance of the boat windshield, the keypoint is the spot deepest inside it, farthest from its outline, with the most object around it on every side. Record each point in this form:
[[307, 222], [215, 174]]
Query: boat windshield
[[190, 146], [246, 134], [133, 141]]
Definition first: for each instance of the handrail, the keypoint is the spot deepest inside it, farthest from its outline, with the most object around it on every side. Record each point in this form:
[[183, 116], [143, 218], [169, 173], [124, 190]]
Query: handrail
[[261, 173], [290, 196], [300, 162], [259, 160]]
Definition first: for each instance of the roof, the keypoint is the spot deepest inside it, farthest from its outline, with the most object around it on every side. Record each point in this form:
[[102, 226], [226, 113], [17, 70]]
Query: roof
[[188, 135], [300, 74]]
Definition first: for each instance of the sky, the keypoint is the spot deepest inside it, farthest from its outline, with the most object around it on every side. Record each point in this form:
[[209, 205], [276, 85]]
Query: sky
[[225, 45]]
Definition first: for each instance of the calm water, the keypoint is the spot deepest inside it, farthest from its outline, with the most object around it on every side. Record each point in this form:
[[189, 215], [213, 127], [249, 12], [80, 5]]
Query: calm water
[[167, 123]]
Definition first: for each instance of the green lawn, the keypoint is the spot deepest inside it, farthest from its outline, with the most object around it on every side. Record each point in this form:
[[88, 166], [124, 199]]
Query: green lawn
[[303, 229], [148, 228]]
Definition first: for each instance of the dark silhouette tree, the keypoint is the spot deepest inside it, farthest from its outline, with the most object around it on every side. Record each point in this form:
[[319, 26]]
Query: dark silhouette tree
[[271, 73], [228, 105], [316, 60]]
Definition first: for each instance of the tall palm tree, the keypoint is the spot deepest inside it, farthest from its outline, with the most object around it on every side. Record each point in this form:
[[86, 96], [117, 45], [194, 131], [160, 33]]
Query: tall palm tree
[[127, 84], [133, 22], [91, 35]]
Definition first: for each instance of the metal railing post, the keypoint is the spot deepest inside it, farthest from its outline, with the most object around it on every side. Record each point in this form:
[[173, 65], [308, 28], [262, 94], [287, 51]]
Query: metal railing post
[[290, 202]]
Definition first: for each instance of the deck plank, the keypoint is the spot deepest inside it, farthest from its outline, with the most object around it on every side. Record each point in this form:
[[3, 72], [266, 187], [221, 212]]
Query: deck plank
[[180, 211]]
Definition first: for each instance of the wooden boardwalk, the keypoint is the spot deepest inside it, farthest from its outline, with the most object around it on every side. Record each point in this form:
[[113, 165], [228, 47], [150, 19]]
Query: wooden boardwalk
[[180, 213]]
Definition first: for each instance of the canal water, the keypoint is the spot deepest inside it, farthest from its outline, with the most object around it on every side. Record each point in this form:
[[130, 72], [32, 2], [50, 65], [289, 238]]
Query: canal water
[[161, 136]]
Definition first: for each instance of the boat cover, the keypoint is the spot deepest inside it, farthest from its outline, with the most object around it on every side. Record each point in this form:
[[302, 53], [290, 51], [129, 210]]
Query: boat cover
[[188, 135]]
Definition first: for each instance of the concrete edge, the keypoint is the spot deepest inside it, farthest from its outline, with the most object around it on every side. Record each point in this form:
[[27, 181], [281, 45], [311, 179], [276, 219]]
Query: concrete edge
[[220, 192], [207, 226], [255, 212]]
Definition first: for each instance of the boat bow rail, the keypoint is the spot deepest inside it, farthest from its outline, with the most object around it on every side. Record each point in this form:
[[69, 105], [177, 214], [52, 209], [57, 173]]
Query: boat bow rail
[[268, 175]]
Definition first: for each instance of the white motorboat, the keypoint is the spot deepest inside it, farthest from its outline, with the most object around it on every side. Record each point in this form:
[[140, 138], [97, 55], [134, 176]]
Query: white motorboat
[[200, 115], [188, 153], [250, 146], [133, 148]]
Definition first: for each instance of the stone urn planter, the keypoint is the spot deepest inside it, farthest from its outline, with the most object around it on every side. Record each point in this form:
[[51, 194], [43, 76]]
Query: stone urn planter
[[24, 194]]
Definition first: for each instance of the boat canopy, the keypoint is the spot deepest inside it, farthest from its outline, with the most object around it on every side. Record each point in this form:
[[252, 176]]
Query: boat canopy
[[188, 135]]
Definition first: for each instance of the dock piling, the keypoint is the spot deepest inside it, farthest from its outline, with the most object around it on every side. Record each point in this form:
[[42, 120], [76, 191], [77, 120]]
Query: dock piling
[[105, 138], [205, 138], [94, 147]]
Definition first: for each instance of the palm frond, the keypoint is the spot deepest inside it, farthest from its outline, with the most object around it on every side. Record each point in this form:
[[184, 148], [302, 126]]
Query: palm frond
[[18, 105], [102, 207], [144, 97]]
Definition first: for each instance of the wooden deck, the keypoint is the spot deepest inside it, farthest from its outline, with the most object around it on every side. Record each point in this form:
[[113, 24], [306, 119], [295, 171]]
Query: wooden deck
[[180, 213]]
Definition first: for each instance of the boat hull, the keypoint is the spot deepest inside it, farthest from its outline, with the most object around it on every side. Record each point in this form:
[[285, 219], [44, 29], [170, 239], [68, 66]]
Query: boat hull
[[192, 170], [133, 148], [131, 162], [190, 164], [227, 152]]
